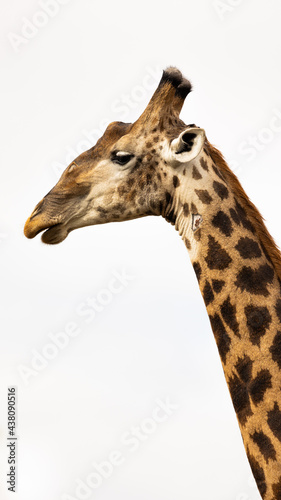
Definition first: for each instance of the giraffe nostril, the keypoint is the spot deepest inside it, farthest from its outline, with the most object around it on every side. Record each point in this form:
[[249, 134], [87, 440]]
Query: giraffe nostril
[[37, 210]]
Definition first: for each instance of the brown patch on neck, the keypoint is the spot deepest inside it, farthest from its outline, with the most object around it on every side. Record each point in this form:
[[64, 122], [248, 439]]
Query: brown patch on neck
[[270, 248]]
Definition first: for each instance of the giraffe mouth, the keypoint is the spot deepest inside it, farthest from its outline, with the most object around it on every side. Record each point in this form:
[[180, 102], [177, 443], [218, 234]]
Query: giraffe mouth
[[53, 233]]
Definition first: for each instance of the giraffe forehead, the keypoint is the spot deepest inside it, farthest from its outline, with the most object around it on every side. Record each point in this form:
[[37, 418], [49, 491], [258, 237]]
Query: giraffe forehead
[[113, 133], [143, 142], [126, 137]]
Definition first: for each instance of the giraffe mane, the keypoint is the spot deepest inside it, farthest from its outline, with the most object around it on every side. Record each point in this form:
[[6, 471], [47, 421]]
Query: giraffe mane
[[269, 246]]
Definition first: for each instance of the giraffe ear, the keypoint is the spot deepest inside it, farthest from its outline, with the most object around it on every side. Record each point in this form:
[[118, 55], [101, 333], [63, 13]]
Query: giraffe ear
[[188, 144]]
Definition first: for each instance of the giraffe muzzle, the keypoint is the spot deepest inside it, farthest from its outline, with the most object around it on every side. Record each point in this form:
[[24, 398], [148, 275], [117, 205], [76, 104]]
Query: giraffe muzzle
[[55, 230], [53, 233]]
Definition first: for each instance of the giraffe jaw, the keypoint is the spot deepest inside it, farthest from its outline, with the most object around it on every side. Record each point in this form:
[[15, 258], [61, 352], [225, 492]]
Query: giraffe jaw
[[54, 231], [55, 234]]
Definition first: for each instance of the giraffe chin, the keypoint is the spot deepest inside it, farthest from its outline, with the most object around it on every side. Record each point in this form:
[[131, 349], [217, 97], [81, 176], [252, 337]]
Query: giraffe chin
[[54, 235]]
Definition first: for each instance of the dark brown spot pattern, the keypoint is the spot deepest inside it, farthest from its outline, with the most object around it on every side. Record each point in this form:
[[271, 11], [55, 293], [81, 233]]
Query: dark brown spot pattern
[[222, 338], [203, 164], [275, 349], [259, 386], [240, 399], [244, 368], [240, 215], [204, 196], [176, 181], [228, 312], [265, 445], [274, 421], [242, 386], [221, 190], [255, 280], [234, 216], [196, 174], [248, 248], [218, 172], [186, 210], [277, 490], [194, 209], [258, 320], [208, 294], [198, 270], [217, 257], [218, 285], [223, 223]]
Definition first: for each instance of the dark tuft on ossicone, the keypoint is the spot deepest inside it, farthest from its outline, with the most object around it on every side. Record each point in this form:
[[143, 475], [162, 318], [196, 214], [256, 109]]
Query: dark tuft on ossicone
[[181, 84]]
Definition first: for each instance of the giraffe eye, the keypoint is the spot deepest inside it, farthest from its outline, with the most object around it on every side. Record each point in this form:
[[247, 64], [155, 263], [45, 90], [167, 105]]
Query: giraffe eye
[[121, 157]]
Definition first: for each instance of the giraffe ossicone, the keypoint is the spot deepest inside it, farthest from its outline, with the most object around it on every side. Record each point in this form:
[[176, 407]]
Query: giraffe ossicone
[[158, 165]]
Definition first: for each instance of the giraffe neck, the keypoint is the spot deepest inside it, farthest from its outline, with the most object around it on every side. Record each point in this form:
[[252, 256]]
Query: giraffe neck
[[241, 291]]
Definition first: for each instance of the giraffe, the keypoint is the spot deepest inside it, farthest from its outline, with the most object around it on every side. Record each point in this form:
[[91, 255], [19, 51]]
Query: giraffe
[[158, 165]]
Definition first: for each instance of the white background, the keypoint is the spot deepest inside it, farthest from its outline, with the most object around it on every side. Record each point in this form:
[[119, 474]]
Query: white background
[[153, 340]]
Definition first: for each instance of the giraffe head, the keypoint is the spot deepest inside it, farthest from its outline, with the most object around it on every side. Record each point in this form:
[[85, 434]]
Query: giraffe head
[[128, 173]]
